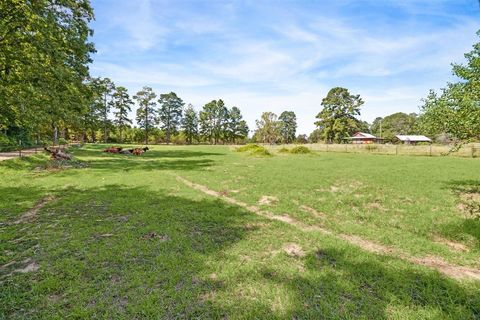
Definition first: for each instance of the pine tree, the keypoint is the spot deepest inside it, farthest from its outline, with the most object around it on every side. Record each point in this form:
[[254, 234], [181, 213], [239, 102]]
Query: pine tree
[[190, 124], [170, 113], [236, 127], [212, 120], [146, 110], [288, 126], [122, 105]]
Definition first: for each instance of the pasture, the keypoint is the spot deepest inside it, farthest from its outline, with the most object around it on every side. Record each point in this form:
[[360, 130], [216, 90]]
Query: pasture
[[206, 232]]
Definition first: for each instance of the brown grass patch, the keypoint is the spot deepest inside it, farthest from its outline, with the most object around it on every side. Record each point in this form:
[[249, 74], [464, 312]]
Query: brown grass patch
[[376, 206], [312, 211], [267, 200], [30, 214], [293, 250], [455, 246]]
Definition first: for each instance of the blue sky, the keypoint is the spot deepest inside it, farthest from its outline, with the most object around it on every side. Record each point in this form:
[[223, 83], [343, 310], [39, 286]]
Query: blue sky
[[284, 55]]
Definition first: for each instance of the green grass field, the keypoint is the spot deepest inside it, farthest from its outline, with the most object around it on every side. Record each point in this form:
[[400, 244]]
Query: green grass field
[[205, 232]]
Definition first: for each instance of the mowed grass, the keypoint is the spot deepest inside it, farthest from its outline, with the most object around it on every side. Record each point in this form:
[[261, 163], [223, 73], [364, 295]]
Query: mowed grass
[[125, 238]]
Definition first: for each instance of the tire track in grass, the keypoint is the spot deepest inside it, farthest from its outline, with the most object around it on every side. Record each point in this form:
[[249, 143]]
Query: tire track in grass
[[432, 262]]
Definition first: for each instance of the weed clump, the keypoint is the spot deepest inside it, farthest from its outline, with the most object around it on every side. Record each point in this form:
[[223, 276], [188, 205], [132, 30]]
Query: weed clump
[[254, 149], [300, 150], [248, 147], [284, 150]]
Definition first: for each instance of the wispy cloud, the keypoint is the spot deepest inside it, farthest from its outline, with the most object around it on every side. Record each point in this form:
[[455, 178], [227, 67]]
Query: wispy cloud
[[262, 57]]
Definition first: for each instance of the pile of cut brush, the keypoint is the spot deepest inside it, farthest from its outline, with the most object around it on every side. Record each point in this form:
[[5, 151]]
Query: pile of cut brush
[[61, 159], [58, 154]]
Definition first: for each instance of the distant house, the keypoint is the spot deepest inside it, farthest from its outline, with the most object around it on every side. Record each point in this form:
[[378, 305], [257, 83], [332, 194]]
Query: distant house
[[362, 138], [413, 139]]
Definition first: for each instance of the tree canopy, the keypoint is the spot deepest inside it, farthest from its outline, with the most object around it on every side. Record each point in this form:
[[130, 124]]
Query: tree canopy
[[455, 111], [337, 119], [394, 124], [288, 126], [170, 113]]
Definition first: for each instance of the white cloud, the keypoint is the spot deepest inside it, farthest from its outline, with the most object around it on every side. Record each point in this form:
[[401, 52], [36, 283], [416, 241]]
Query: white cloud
[[286, 61]]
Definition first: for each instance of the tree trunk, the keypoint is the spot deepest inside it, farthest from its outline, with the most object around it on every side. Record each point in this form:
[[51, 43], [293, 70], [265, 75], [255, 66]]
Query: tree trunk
[[55, 134]]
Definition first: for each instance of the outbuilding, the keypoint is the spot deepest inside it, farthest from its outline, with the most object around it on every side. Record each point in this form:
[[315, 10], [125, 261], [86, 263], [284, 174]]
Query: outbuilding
[[364, 138], [413, 139]]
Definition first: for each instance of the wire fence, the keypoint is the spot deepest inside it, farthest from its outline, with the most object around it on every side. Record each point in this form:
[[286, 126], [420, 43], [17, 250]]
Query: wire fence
[[26, 150], [471, 150]]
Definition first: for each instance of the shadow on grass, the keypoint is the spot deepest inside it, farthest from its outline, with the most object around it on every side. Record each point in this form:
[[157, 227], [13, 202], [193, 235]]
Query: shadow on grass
[[468, 198], [123, 253], [119, 252], [151, 160], [344, 286]]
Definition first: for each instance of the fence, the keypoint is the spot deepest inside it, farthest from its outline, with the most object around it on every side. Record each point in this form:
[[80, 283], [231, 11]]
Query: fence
[[471, 150], [20, 151]]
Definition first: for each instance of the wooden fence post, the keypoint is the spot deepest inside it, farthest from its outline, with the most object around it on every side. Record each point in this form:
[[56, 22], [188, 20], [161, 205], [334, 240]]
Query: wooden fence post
[[396, 150], [473, 151], [430, 151]]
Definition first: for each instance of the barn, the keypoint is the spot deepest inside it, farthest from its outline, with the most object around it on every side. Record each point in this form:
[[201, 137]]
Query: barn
[[362, 138], [413, 139]]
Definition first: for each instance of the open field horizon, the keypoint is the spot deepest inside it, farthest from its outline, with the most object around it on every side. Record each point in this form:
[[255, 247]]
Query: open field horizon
[[208, 232]]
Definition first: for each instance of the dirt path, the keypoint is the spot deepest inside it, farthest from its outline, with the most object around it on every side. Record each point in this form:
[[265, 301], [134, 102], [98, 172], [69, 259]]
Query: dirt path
[[432, 262], [15, 154]]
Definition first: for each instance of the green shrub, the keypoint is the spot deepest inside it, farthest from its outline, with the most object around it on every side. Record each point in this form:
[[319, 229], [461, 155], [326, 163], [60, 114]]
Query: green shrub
[[7, 144], [260, 151], [284, 150], [254, 149], [248, 147], [300, 150], [371, 147]]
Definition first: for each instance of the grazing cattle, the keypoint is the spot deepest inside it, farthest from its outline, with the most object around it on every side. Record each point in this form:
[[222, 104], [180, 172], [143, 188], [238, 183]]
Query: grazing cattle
[[138, 151], [113, 150]]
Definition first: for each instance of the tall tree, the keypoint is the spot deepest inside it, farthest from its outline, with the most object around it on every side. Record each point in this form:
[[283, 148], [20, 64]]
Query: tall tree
[[170, 113], [337, 118], [456, 110], [190, 124], [123, 105], [268, 128], [236, 127], [212, 120], [146, 109], [288, 126], [43, 63], [108, 89]]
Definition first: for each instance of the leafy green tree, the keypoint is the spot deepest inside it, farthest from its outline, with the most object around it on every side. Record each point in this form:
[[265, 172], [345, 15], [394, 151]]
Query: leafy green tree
[[108, 90], [288, 126], [123, 105], [44, 59], [337, 118], [268, 128], [315, 136], [190, 124], [146, 110], [456, 110], [394, 124], [212, 121], [301, 139], [236, 127], [170, 113], [92, 115]]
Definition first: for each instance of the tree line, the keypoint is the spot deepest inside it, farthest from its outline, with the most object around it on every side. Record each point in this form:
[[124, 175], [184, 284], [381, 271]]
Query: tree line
[[47, 94], [160, 118]]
